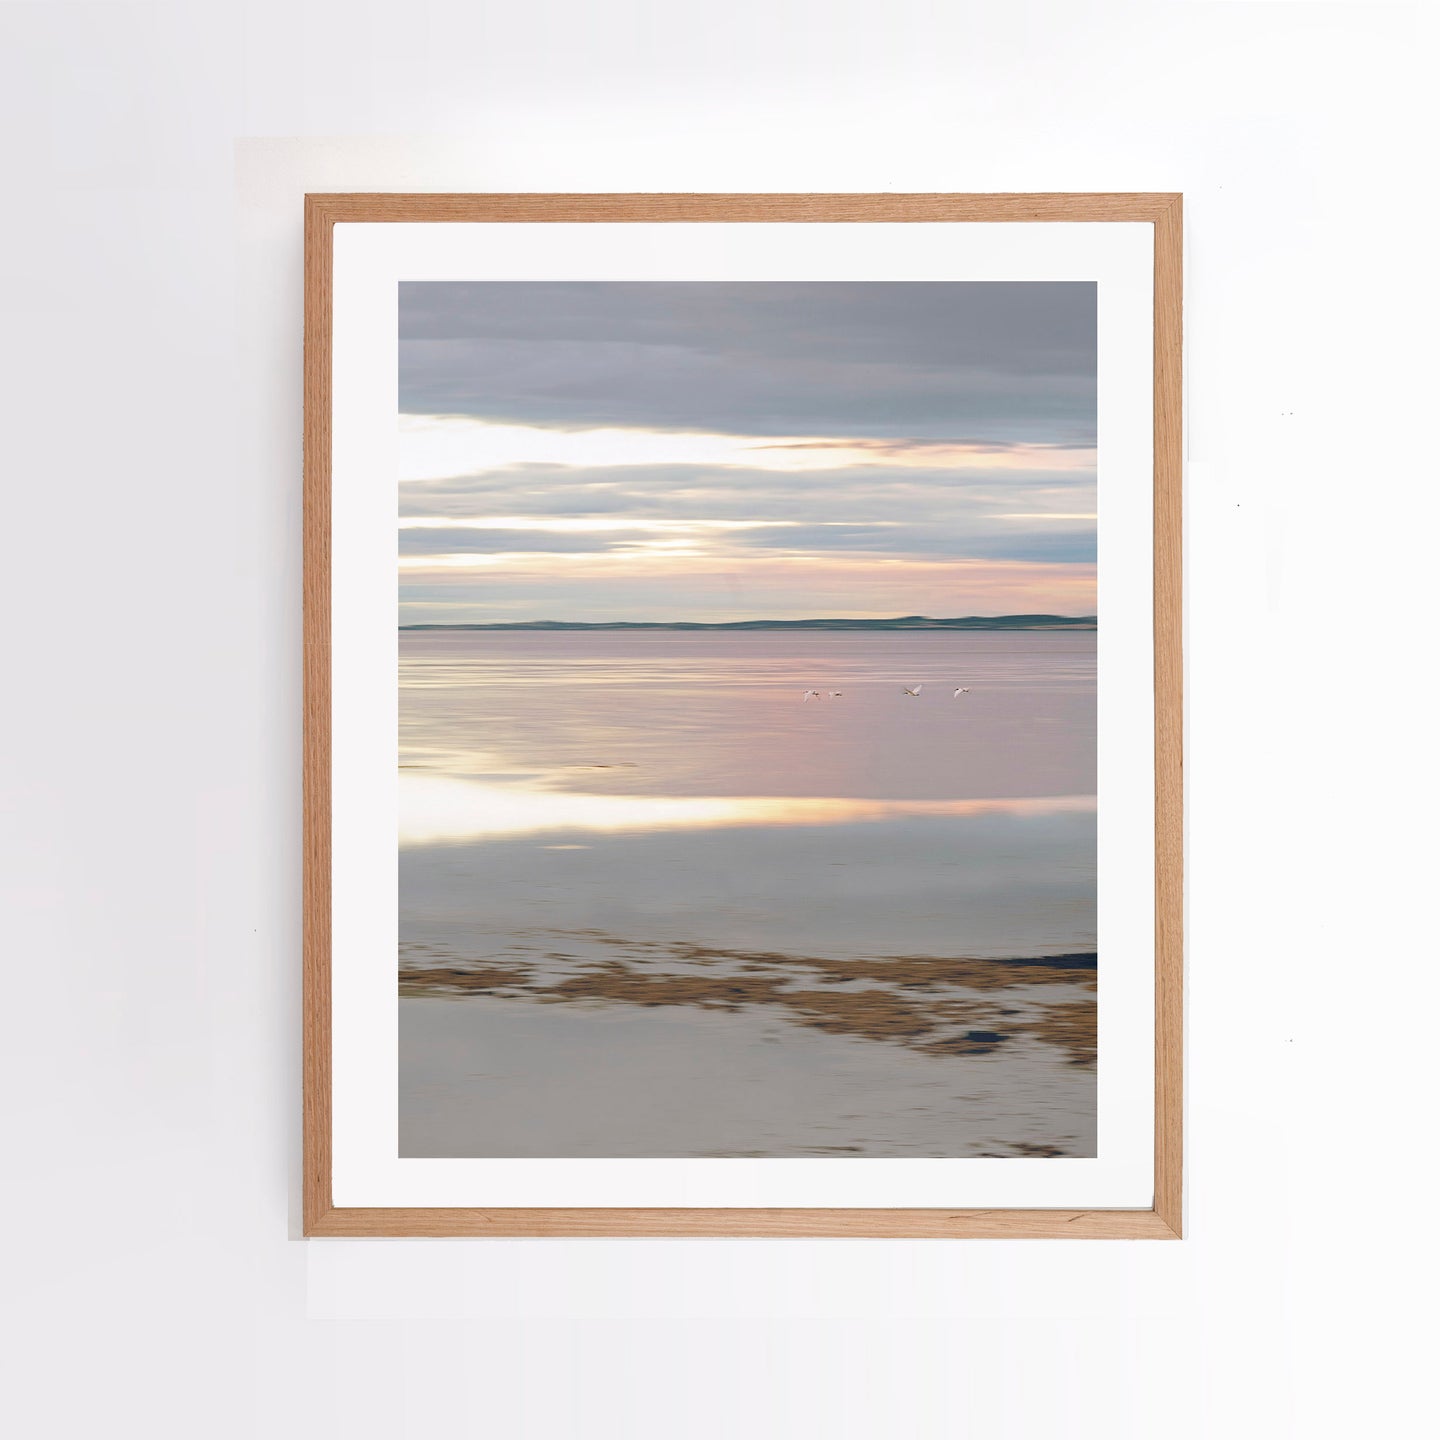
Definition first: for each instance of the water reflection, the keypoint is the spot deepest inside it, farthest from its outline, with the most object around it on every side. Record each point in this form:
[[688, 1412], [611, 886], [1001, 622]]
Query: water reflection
[[437, 808], [712, 714]]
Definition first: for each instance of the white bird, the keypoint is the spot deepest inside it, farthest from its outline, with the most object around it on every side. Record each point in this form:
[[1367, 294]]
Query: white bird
[[811, 695], [836, 694], [963, 690], [915, 691]]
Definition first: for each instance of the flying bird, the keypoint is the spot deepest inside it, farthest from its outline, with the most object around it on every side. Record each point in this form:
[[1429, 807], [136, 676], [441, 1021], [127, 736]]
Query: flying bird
[[811, 695], [963, 690], [836, 694], [915, 691]]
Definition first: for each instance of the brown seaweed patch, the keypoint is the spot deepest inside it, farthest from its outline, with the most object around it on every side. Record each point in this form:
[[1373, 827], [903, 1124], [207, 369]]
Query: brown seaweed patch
[[905, 1000], [872, 1014], [614, 981], [1071, 1027], [465, 981]]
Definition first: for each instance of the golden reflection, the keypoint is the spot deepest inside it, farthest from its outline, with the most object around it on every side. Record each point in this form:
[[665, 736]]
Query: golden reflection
[[435, 808]]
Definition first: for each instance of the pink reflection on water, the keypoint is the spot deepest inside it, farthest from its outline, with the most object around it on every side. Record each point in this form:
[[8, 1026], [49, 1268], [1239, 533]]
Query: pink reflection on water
[[708, 716]]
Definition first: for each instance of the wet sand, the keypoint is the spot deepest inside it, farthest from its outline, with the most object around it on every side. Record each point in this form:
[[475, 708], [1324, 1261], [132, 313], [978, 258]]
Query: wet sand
[[521, 1079]]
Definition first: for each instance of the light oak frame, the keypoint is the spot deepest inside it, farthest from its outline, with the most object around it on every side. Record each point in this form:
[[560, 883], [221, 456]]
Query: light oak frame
[[1164, 1219]]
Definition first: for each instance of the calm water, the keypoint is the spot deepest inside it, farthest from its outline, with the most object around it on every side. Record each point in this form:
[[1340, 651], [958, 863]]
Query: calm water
[[655, 903]]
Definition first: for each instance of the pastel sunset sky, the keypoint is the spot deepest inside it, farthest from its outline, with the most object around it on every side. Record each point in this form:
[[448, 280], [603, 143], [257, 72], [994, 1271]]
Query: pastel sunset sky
[[601, 451]]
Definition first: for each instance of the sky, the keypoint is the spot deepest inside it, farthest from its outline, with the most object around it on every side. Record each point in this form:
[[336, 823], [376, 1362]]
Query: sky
[[602, 451]]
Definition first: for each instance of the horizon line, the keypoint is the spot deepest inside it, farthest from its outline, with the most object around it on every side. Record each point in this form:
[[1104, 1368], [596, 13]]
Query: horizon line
[[831, 620]]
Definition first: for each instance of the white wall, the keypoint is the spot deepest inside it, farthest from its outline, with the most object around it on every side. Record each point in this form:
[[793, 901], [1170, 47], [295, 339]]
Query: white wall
[[150, 735]]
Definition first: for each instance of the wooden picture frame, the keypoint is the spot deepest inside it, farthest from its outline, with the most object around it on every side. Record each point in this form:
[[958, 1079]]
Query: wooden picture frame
[[1164, 1219]]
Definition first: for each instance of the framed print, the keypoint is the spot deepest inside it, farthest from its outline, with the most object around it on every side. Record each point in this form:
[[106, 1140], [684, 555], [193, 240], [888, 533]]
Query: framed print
[[743, 715]]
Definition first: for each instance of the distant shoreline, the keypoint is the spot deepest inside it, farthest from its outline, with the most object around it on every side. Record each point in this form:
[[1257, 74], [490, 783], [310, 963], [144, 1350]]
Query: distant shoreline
[[903, 622]]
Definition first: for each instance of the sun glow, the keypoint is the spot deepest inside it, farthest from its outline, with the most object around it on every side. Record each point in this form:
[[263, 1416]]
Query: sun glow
[[587, 524]]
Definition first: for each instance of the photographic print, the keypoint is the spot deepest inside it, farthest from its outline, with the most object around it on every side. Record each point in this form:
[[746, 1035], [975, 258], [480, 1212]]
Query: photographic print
[[743, 715], [747, 719]]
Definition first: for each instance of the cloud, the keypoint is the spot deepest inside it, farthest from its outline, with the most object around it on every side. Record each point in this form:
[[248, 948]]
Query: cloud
[[471, 541], [906, 513], [894, 541], [901, 360], [689, 492], [910, 445], [923, 542]]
